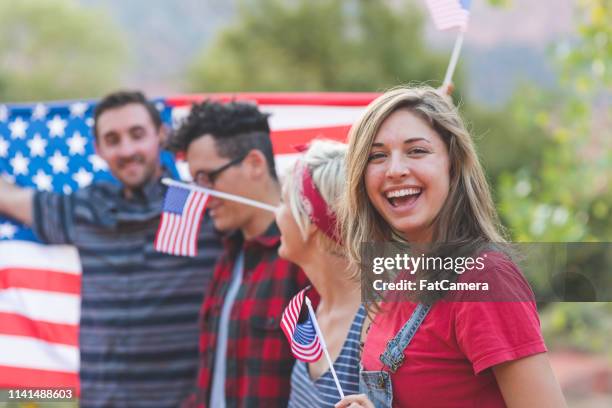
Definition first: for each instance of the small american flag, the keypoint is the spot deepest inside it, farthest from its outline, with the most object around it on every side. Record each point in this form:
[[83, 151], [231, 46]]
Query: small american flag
[[180, 221], [305, 344], [449, 14]]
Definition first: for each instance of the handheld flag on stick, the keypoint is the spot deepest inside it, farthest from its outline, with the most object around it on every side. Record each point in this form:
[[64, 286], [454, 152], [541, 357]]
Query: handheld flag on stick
[[180, 222], [449, 14], [225, 196], [182, 213], [306, 340], [302, 337]]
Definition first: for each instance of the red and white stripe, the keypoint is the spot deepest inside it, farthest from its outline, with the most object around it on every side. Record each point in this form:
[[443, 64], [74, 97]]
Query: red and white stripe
[[295, 118], [448, 14], [178, 233], [305, 352], [40, 290], [291, 314]]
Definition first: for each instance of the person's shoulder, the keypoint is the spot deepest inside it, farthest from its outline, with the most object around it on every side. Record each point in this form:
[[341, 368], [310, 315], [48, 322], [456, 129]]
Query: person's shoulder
[[95, 203], [395, 312], [503, 278], [494, 263], [99, 190]]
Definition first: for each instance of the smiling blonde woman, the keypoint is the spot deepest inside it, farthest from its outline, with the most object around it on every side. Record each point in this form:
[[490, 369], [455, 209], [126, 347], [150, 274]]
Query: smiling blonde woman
[[413, 176]]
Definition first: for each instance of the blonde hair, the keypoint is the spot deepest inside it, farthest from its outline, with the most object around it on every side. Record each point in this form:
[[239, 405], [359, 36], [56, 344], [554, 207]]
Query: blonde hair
[[325, 159], [468, 214]]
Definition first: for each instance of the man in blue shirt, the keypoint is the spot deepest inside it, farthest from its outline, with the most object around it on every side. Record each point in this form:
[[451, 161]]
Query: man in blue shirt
[[138, 334]]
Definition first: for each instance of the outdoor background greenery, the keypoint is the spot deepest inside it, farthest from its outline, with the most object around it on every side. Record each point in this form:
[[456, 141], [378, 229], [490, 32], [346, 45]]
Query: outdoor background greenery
[[54, 49], [548, 153]]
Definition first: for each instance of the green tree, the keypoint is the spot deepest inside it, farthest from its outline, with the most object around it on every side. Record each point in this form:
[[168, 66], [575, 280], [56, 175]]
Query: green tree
[[579, 326], [508, 140], [566, 196], [56, 49], [352, 45], [324, 45]]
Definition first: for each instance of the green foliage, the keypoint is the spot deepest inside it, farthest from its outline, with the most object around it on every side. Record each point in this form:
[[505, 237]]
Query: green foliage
[[567, 196], [333, 45], [508, 139], [579, 326], [56, 49], [502, 3], [547, 155], [324, 45]]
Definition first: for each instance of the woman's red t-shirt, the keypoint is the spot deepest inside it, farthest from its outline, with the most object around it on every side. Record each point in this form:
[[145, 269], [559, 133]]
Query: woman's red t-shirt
[[448, 361]]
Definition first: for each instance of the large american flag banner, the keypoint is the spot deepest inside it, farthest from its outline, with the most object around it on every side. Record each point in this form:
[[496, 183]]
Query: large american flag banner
[[48, 146]]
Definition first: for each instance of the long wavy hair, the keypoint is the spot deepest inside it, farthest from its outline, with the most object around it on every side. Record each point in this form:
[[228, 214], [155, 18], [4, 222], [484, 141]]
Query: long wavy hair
[[467, 221]]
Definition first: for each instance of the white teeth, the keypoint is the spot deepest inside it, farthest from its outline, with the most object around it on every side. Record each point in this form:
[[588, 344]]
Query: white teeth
[[404, 192]]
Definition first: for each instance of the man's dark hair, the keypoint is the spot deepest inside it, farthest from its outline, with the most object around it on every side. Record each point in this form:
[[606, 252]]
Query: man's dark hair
[[121, 98], [236, 127]]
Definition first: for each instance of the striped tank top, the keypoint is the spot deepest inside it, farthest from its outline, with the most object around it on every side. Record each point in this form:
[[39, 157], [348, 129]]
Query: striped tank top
[[322, 392]]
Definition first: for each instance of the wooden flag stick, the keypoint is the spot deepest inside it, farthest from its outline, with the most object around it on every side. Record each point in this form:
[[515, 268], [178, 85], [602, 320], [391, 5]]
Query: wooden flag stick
[[453, 61], [225, 196], [323, 345]]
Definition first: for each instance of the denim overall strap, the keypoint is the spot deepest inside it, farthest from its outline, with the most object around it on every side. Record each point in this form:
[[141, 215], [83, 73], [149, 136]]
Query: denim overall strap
[[377, 384], [393, 356]]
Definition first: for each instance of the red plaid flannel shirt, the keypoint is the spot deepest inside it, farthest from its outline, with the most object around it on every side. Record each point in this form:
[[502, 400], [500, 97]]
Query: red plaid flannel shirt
[[259, 360]]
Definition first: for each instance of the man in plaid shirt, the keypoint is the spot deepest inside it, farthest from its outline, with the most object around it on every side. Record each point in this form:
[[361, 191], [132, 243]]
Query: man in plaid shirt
[[245, 361]]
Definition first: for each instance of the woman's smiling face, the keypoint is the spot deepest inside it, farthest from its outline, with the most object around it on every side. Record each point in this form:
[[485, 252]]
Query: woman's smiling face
[[407, 175]]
